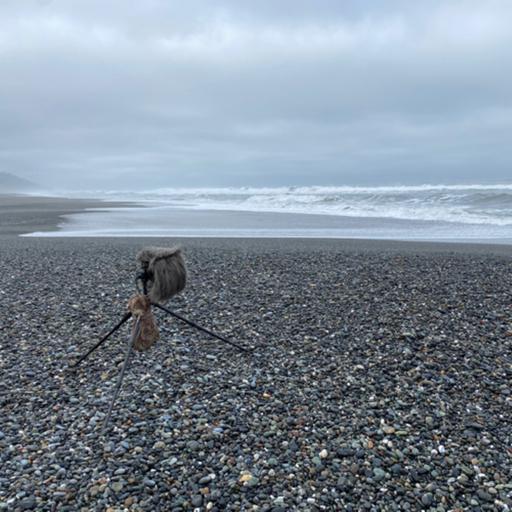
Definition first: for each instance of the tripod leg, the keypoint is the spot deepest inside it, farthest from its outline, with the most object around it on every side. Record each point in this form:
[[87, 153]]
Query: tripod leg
[[133, 337], [193, 324], [105, 338]]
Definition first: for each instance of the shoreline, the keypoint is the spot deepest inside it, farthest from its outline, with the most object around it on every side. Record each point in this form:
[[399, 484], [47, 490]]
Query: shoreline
[[22, 214], [25, 216]]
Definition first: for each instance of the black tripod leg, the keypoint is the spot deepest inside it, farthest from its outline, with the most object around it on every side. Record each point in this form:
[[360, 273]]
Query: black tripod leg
[[105, 338], [133, 337], [193, 324]]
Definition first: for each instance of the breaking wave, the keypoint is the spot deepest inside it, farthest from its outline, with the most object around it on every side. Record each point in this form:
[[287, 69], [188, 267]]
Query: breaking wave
[[467, 204]]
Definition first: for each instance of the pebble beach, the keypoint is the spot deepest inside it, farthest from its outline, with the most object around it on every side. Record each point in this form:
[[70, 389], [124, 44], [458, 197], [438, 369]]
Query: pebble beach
[[379, 378]]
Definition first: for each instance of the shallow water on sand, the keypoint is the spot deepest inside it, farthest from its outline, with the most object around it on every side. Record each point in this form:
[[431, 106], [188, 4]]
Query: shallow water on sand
[[170, 221]]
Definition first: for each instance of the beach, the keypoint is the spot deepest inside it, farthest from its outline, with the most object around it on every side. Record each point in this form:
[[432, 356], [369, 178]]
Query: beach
[[457, 213], [379, 376], [21, 214]]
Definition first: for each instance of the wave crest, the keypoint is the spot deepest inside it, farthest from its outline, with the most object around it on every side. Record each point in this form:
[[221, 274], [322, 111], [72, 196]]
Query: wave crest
[[467, 204]]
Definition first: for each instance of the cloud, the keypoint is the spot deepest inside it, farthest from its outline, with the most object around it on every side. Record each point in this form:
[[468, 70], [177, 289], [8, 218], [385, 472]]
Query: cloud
[[252, 93]]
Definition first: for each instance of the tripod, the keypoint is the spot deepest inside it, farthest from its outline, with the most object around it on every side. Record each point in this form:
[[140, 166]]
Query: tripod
[[141, 282]]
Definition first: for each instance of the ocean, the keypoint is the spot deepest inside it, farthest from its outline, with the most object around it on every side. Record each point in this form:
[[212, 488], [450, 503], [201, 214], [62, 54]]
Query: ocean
[[477, 213]]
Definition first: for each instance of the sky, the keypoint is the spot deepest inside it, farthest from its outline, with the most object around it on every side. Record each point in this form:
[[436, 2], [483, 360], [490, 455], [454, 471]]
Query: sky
[[118, 94]]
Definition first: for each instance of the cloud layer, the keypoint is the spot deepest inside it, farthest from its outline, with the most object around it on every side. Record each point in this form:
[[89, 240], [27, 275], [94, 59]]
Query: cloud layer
[[255, 93]]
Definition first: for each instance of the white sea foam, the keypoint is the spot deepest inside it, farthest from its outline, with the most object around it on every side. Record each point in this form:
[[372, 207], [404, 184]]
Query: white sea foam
[[423, 212], [466, 204]]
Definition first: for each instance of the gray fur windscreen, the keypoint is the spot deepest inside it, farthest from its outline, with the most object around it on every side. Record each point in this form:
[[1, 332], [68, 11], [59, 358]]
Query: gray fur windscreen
[[167, 271]]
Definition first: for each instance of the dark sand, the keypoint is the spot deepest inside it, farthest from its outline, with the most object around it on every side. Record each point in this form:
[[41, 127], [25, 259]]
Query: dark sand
[[25, 214], [380, 380]]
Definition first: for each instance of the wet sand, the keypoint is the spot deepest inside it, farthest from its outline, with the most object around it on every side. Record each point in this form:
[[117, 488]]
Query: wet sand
[[20, 214]]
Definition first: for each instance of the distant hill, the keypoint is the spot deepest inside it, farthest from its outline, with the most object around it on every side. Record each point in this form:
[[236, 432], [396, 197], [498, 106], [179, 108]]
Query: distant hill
[[10, 183]]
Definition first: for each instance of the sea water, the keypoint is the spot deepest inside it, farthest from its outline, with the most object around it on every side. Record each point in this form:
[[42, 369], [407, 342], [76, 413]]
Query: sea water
[[424, 212]]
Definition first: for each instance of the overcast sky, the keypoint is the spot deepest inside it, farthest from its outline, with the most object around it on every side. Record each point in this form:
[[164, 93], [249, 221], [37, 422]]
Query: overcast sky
[[260, 92]]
